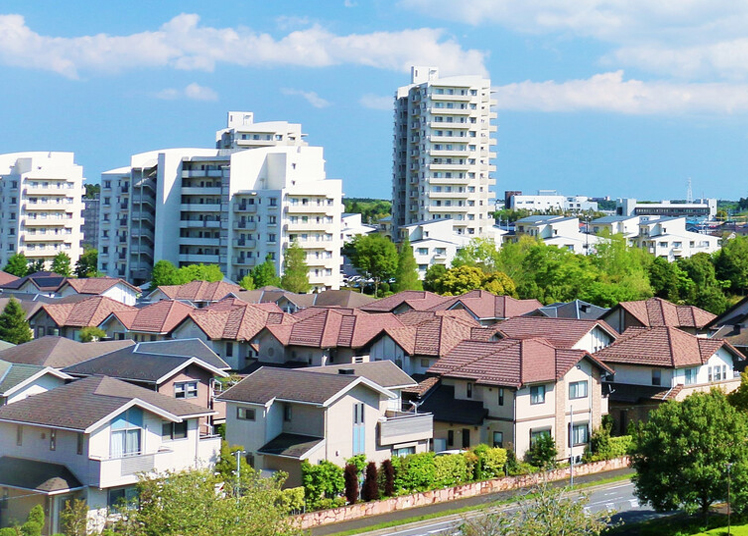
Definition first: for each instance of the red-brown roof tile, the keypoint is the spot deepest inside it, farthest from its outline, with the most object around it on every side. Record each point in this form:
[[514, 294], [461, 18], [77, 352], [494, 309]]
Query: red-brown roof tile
[[659, 312], [561, 332], [6, 278], [158, 317], [417, 300], [486, 306], [234, 319], [88, 312], [96, 285], [200, 291]]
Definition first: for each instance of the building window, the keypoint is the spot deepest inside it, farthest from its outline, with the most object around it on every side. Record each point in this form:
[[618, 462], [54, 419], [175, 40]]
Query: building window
[[359, 433], [580, 434], [174, 430], [450, 438], [536, 434], [691, 375], [578, 389], [537, 394], [498, 439], [424, 362], [656, 377], [81, 439], [122, 498], [19, 435], [53, 440], [185, 390], [501, 397], [287, 412], [404, 451], [245, 414], [273, 201], [229, 349], [126, 433], [469, 391]]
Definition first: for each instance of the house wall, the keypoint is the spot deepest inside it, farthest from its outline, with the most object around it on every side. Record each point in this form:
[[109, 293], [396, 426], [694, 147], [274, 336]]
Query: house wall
[[204, 391], [122, 294], [41, 324], [595, 340], [251, 435], [40, 385], [114, 328], [640, 374], [386, 349]]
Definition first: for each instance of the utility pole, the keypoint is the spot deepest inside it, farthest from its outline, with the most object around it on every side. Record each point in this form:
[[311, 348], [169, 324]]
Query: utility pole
[[729, 467], [239, 454], [571, 446]]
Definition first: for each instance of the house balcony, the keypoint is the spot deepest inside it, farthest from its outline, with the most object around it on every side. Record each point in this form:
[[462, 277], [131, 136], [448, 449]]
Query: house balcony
[[402, 427]]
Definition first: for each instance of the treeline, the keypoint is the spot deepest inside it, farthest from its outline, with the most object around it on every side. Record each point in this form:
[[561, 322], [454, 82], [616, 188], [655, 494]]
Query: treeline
[[371, 210], [614, 273]]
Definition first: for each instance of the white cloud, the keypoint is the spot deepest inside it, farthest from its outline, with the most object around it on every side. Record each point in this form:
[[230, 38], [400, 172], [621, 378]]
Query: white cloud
[[192, 91], [182, 43], [285, 22], [609, 92], [310, 96], [376, 102]]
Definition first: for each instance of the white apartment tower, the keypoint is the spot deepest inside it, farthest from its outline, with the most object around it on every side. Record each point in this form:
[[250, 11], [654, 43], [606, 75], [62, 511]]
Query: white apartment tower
[[229, 207], [442, 152], [41, 205], [242, 132]]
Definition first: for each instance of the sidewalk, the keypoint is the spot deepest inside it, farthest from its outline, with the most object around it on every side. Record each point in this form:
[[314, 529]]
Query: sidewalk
[[402, 515]]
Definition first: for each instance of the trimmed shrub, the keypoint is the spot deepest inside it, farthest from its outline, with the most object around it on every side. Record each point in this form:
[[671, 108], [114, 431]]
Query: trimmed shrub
[[292, 500], [388, 477], [371, 486], [415, 472], [321, 481], [350, 475], [491, 462], [451, 470], [543, 452]]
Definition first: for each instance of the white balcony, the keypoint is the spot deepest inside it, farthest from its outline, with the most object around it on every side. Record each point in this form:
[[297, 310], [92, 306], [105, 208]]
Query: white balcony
[[200, 190], [244, 243], [200, 207], [201, 258], [196, 241], [245, 225]]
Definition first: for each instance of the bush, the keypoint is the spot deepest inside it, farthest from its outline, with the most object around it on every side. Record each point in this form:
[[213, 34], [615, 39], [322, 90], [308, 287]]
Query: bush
[[451, 470], [292, 500], [415, 472], [604, 447], [387, 475], [350, 476], [491, 462], [321, 481], [542, 452], [371, 485]]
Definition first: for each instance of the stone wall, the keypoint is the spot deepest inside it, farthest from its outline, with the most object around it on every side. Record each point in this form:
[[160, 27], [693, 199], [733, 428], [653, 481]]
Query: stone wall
[[403, 502]]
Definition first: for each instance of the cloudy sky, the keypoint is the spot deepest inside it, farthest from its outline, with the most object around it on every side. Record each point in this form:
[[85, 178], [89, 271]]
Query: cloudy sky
[[627, 98]]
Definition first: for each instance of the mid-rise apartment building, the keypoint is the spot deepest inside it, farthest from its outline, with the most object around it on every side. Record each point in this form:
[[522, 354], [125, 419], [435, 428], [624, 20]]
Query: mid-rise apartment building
[[40, 205], [242, 132], [227, 207], [442, 152]]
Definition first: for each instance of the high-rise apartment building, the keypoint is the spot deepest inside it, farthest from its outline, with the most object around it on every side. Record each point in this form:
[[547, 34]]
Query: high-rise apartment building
[[229, 207], [242, 132], [442, 152], [41, 205]]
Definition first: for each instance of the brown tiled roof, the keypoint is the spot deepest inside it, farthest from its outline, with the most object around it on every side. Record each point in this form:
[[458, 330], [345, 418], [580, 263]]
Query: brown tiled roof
[[238, 320], [6, 278], [484, 305], [561, 332], [417, 300], [342, 298], [659, 312], [159, 317], [44, 281], [88, 312], [97, 285], [423, 387], [59, 352], [199, 291], [437, 332], [509, 362], [92, 399], [662, 346], [384, 373]]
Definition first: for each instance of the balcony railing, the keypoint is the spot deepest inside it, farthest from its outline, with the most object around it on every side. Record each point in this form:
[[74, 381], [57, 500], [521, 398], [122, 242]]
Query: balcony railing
[[402, 427]]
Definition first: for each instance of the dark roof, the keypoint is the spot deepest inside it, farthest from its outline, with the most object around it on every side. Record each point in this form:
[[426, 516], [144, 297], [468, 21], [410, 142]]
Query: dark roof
[[735, 335], [92, 399], [268, 383], [35, 475], [59, 352], [290, 445], [12, 374], [633, 394], [734, 315], [446, 408], [578, 309], [45, 281], [384, 373], [149, 361]]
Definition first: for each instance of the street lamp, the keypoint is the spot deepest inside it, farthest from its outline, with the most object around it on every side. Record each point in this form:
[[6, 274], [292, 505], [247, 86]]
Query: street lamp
[[239, 454]]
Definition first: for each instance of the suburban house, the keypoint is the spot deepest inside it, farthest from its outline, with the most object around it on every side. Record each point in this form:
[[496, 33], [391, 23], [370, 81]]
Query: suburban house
[[6, 278], [487, 308], [183, 369], [732, 326], [657, 312], [408, 300], [558, 231], [284, 416], [668, 238], [579, 309], [59, 352], [44, 283], [19, 381], [153, 322], [67, 319], [507, 393], [111, 287], [628, 226], [91, 439], [197, 293], [569, 333], [662, 363]]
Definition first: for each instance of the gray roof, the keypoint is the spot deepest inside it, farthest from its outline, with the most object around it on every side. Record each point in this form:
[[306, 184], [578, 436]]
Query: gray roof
[[80, 404], [12, 374], [149, 362], [268, 383], [35, 475], [384, 373], [59, 352], [578, 309], [441, 402], [290, 445], [612, 219]]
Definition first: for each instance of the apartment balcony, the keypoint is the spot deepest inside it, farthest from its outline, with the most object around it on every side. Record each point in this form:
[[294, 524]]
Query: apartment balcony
[[311, 208], [124, 190], [44, 237], [459, 153], [199, 258], [47, 205], [211, 224], [449, 181], [451, 139], [402, 427], [456, 98], [250, 209], [445, 125], [196, 241], [245, 243], [450, 167], [143, 216], [47, 190], [201, 190], [245, 225], [200, 207], [142, 232], [310, 226], [123, 222], [143, 200], [34, 222], [313, 261], [448, 195], [453, 208], [451, 111], [243, 261]]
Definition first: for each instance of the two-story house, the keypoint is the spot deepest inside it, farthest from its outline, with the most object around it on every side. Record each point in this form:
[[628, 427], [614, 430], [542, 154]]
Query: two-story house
[[197, 293], [507, 393], [153, 322], [19, 381], [282, 417], [67, 318], [58, 352], [408, 300], [568, 333], [732, 326], [91, 439], [111, 287], [657, 312], [663, 363], [558, 231], [487, 308], [668, 238]]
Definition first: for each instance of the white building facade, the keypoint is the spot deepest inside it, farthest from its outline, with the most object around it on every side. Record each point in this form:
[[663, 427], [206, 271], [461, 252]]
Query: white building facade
[[442, 152], [42, 205]]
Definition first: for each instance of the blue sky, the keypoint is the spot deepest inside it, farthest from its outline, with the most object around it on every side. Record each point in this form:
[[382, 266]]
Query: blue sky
[[627, 98]]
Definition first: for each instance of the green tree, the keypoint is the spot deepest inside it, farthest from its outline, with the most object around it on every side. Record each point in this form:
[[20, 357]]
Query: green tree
[[92, 190], [199, 272], [18, 265], [500, 284], [36, 266], [375, 256], [74, 518], [668, 281], [680, 454], [61, 264], [264, 274], [460, 280], [731, 264], [164, 273], [481, 253], [406, 276], [295, 270], [87, 265], [247, 283], [542, 451], [433, 277], [14, 328], [91, 333], [706, 291]]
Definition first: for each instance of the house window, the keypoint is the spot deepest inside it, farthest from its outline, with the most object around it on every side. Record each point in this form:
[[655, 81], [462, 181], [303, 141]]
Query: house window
[[229, 349], [359, 437], [126, 433], [19, 435], [53, 440], [185, 389], [424, 362], [122, 498], [580, 434], [536, 434], [81, 438], [656, 377], [173, 430], [578, 389], [691, 375], [498, 439], [501, 397], [466, 438], [401, 452], [245, 414], [450, 438], [287, 412], [470, 390], [537, 394]]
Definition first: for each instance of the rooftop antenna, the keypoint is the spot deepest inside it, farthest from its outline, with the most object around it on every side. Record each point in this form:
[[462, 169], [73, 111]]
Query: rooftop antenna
[[689, 192]]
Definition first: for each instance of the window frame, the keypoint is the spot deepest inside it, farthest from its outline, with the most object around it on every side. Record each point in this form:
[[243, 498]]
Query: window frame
[[246, 414], [574, 390], [537, 394], [185, 390]]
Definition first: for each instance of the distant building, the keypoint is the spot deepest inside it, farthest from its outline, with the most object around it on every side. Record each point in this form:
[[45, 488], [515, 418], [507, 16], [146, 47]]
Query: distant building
[[558, 231], [91, 207], [549, 200], [351, 226], [701, 209], [242, 132], [41, 205]]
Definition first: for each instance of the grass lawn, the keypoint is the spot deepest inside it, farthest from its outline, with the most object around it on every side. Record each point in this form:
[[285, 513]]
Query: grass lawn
[[682, 525]]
